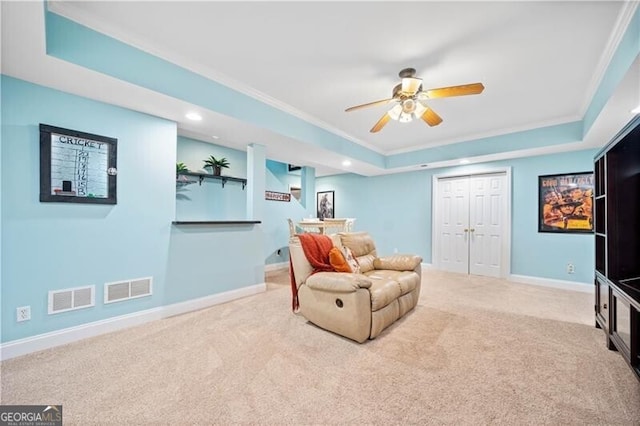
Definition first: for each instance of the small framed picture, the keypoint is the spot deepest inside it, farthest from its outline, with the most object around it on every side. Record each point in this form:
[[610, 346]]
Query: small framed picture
[[325, 205], [295, 191], [77, 167], [565, 203]]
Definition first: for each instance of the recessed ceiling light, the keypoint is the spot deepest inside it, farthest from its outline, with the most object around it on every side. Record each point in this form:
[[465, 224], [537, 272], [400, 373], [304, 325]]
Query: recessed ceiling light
[[215, 137], [194, 116], [346, 163], [464, 161], [636, 110]]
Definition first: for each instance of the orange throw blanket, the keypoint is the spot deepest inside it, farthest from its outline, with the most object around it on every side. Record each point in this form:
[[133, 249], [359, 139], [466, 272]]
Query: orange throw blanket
[[316, 248]]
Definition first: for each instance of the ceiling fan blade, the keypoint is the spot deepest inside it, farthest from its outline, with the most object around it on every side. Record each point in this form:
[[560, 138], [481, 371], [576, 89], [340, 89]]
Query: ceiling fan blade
[[370, 104], [381, 123], [430, 117], [462, 90]]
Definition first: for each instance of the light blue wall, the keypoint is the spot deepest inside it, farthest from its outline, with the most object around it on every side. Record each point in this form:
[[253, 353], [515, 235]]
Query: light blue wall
[[63, 245], [193, 153], [281, 171], [209, 200], [212, 202], [540, 254], [48, 246], [275, 226], [396, 209]]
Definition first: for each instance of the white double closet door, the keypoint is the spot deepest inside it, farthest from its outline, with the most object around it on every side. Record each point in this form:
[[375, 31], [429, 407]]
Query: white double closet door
[[471, 224]]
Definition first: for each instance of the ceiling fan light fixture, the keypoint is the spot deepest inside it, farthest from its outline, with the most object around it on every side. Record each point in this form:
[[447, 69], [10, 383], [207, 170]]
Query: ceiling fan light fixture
[[410, 85], [405, 117], [395, 112], [408, 106], [403, 112], [409, 98]]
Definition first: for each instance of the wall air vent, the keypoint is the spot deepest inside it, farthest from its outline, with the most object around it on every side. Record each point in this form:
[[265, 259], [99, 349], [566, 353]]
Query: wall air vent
[[126, 290], [70, 299]]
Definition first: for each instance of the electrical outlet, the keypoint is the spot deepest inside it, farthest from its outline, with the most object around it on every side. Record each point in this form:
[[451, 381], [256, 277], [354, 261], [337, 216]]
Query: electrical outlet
[[570, 268], [23, 313]]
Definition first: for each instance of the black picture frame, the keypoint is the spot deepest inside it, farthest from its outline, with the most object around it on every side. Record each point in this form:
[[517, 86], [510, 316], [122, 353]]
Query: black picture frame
[[325, 205], [565, 203], [77, 167]]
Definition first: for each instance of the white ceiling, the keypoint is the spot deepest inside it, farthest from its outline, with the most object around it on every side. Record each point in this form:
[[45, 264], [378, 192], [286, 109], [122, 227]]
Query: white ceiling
[[540, 63]]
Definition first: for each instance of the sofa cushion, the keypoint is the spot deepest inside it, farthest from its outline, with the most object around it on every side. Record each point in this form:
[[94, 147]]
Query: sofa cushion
[[383, 291], [398, 262], [363, 248], [360, 243], [406, 280], [338, 282]]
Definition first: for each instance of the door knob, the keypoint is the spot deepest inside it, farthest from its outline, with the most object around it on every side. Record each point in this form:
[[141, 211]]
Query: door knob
[[472, 229], [466, 230]]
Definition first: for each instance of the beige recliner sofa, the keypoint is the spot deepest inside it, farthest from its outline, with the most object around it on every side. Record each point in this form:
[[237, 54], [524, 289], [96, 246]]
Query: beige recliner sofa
[[357, 306]]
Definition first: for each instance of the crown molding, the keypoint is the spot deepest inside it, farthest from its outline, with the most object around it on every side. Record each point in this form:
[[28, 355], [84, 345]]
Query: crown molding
[[619, 30]]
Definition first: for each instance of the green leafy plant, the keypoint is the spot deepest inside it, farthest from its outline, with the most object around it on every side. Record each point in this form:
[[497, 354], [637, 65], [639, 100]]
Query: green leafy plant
[[216, 164], [181, 167]]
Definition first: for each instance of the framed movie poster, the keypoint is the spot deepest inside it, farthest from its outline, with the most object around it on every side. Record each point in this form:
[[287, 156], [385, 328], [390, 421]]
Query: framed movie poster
[[325, 205], [77, 167], [565, 203]]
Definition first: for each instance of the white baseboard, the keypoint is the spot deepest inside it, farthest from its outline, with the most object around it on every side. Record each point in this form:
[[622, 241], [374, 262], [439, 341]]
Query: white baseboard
[[214, 299], [276, 266], [427, 265], [52, 339], [547, 282]]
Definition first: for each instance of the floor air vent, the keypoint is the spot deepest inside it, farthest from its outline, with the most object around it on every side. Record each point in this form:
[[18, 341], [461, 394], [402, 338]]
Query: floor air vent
[[70, 299], [126, 290]]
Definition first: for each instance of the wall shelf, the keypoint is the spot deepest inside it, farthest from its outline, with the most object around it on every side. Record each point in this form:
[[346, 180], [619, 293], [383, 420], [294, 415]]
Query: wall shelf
[[203, 176]]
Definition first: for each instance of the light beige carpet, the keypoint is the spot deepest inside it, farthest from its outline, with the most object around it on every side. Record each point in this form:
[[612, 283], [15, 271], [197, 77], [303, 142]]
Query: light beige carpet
[[474, 351]]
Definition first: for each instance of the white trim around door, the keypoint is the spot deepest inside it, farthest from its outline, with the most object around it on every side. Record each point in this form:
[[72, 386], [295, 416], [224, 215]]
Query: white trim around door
[[436, 243]]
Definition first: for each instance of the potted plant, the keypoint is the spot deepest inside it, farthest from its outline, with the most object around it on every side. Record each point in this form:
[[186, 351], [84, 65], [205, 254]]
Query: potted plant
[[216, 164], [181, 167]]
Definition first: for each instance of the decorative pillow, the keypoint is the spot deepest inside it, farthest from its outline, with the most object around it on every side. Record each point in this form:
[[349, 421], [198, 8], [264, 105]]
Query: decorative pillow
[[337, 260], [351, 260]]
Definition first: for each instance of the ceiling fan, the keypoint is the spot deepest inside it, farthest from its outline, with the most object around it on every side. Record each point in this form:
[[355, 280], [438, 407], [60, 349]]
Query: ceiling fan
[[410, 98]]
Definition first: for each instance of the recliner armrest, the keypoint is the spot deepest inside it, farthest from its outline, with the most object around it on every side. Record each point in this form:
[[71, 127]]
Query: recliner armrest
[[398, 262], [338, 282]]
